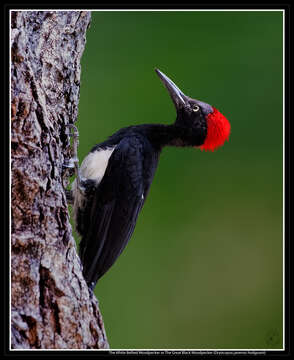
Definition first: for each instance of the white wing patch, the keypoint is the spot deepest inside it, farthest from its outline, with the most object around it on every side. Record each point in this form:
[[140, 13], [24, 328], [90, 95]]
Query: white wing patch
[[93, 167]]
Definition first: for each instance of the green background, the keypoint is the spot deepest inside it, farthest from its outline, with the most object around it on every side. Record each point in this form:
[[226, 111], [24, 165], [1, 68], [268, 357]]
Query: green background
[[204, 267]]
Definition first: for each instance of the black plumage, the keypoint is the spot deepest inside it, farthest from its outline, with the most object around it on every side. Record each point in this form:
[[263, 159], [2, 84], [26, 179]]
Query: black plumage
[[116, 204], [108, 203]]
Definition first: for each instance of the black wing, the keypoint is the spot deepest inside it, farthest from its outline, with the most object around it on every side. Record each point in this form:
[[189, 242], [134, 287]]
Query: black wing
[[114, 211]]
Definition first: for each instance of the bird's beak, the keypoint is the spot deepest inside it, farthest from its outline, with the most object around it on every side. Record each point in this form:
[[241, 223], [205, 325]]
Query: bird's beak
[[178, 97]]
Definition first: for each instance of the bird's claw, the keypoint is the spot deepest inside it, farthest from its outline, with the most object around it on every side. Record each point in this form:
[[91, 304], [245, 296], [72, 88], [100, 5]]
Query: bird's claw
[[73, 161], [69, 128], [70, 163]]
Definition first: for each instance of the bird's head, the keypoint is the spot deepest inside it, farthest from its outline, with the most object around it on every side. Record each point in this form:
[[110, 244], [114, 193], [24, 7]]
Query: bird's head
[[204, 118]]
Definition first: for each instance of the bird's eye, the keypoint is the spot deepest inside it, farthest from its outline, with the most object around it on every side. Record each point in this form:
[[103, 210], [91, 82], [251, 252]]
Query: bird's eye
[[195, 108]]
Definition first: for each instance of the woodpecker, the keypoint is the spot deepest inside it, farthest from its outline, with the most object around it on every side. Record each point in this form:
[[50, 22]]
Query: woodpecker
[[114, 179]]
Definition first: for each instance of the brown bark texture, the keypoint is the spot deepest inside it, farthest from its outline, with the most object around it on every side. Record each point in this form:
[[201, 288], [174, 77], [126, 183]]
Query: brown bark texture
[[51, 307]]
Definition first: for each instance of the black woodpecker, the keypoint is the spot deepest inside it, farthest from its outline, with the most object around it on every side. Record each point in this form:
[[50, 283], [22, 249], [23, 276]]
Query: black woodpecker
[[113, 181]]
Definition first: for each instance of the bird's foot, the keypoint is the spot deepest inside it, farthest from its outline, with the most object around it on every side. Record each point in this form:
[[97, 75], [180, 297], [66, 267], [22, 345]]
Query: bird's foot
[[73, 162]]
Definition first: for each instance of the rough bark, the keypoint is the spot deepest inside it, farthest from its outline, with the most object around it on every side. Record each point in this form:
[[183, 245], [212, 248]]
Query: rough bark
[[51, 306]]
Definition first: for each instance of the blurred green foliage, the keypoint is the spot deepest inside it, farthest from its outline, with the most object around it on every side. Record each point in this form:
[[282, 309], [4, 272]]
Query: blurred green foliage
[[204, 267]]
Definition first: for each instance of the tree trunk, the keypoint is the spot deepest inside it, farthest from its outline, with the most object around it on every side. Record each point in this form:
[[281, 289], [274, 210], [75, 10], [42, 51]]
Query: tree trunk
[[51, 306]]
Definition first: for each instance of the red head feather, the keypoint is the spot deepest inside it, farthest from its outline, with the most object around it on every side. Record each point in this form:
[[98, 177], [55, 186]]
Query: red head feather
[[218, 131]]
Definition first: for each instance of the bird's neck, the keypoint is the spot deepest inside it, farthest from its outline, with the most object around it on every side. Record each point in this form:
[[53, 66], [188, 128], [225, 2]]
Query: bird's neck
[[172, 135]]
